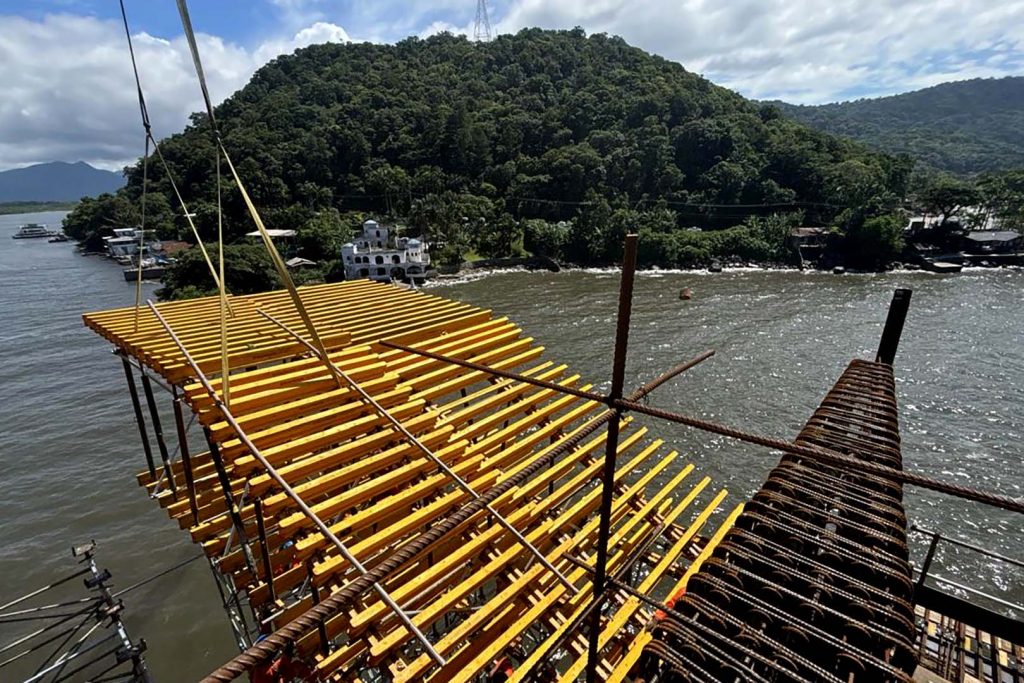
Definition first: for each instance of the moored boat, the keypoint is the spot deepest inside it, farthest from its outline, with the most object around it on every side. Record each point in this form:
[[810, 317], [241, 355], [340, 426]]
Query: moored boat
[[32, 231]]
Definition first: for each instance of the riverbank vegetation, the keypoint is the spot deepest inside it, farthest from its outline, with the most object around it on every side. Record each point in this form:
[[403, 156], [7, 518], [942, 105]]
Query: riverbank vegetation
[[549, 142], [7, 208]]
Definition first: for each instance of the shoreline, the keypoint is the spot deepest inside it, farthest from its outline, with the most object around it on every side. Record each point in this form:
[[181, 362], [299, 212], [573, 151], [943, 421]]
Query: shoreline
[[473, 274]]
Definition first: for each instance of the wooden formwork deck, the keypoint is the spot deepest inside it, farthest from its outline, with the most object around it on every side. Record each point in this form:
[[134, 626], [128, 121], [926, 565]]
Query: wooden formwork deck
[[477, 593]]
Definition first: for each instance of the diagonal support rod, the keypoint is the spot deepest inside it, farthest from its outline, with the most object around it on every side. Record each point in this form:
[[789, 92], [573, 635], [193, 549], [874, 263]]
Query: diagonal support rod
[[448, 471], [291, 493]]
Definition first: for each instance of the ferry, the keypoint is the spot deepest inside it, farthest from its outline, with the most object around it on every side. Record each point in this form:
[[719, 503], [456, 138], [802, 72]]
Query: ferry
[[32, 230]]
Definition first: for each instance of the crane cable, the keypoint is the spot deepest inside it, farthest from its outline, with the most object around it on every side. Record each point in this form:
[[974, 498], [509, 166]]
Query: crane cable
[[275, 256], [225, 364], [143, 111]]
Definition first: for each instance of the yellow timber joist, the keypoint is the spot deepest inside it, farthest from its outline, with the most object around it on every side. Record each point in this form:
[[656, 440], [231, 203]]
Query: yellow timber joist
[[478, 592]]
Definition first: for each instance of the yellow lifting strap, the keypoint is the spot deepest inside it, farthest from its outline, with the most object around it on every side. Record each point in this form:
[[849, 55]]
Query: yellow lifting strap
[[282, 269], [225, 366], [143, 111], [275, 256]]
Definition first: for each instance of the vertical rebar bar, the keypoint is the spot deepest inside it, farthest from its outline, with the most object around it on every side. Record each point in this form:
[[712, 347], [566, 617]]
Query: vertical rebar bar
[[611, 449], [139, 419]]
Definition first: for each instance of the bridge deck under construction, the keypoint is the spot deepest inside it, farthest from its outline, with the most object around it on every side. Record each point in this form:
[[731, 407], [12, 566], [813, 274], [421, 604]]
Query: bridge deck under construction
[[808, 581]]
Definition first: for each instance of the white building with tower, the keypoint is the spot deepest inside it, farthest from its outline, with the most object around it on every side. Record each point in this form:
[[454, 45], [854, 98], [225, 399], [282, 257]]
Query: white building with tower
[[375, 256]]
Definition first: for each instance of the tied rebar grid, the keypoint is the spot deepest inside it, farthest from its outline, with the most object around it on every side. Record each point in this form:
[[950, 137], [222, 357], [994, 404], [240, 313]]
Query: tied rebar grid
[[813, 582]]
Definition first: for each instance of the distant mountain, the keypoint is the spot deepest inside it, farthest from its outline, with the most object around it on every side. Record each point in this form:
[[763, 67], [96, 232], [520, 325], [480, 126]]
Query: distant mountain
[[964, 127], [56, 181]]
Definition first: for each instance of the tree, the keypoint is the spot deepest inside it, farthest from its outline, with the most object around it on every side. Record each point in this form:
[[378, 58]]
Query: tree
[[247, 270], [948, 197], [875, 243], [392, 182], [542, 237], [1003, 196], [501, 237], [321, 237], [94, 219]]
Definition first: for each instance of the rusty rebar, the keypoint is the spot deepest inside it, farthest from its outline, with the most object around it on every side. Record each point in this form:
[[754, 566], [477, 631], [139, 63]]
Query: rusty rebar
[[611, 450]]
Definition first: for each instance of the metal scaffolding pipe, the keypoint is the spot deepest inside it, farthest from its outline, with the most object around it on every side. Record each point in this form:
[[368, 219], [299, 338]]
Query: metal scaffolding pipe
[[186, 457], [158, 431], [139, 419]]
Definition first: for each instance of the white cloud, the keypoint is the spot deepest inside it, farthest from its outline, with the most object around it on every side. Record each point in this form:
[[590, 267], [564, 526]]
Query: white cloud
[[69, 93], [805, 50]]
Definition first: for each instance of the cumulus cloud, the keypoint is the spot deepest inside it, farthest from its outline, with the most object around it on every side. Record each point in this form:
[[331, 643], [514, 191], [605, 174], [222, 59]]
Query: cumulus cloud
[[806, 50], [69, 92]]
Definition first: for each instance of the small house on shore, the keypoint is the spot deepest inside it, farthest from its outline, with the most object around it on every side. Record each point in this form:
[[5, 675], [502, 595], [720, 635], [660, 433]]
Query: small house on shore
[[124, 244], [993, 241], [376, 256]]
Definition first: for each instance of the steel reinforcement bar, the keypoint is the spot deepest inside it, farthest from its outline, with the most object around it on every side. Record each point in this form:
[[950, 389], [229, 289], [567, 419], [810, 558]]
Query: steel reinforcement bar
[[813, 582]]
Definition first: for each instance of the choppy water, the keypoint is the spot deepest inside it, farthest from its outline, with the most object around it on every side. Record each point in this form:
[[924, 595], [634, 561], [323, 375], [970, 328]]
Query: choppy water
[[68, 450]]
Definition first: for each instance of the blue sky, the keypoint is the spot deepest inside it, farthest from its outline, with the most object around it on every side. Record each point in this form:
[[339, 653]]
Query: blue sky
[[68, 91]]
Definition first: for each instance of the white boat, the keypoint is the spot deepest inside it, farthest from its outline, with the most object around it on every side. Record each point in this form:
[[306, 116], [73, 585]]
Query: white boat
[[32, 230]]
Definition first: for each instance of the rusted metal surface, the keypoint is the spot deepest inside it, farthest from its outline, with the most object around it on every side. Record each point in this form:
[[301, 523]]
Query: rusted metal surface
[[813, 582]]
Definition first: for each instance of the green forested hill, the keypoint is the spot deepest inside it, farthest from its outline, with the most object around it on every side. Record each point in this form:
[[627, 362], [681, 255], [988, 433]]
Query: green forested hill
[[964, 127], [480, 143]]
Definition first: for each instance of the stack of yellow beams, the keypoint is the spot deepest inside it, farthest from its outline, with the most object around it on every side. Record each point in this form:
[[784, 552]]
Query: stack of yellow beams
[[478, 592]]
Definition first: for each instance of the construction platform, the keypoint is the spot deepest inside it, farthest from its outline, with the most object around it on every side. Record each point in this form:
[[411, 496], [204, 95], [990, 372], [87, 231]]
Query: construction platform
[[478, 593], [462, 476]]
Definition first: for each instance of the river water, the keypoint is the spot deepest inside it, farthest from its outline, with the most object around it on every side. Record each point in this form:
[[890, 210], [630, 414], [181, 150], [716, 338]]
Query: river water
[[69, 450]]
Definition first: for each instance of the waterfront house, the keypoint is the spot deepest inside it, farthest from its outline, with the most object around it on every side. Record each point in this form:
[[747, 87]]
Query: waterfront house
[[993, 241], [123, 245], [376, 256]]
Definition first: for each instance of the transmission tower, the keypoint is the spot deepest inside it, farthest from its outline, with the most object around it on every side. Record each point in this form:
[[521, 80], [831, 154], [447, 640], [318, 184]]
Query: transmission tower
[[482, 26]]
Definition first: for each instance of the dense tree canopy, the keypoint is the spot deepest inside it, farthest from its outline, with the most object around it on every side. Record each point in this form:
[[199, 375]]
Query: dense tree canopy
[[549, 140], [964, 127]]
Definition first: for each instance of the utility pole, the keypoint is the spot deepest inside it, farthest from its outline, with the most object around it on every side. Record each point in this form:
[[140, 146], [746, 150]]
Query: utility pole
[[482, 25]]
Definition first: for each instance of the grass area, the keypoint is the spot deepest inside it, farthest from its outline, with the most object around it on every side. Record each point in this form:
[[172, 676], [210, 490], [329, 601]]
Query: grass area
[[34, 207]]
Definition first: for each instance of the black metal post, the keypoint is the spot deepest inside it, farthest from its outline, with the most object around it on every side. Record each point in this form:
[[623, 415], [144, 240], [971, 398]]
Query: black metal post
[[321, 628], [261, 529], [611, 450], [139, 419], [236, 515], [893, 326], [927, 564], [158, 430], [186, 457]]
